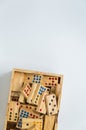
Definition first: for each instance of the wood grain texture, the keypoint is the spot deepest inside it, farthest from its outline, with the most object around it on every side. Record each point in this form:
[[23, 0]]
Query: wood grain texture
[[49, 122]]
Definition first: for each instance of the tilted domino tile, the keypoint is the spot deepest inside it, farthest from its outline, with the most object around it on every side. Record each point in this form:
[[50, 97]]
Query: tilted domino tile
[[23, 114], [32, 111], [50, 81], [35, 124], [39, 90], [28, 106], [13, 110], [28, 112], [32, 92], [42, 105], [51, 104], [35, 115], [26, 124], [26, 90]]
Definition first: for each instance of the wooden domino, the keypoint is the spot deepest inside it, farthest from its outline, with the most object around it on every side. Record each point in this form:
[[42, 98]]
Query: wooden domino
[[40, 89], [49, 122], [33, 124], [26, 90], [41, 104], [28, 106], [30, 111], [31, 94], [34, 100], [50, 81], [13, 110], [25, 113], [51, 104]]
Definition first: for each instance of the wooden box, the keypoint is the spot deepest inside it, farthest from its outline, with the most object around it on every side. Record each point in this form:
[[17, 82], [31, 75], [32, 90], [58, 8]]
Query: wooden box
[[28, 111]]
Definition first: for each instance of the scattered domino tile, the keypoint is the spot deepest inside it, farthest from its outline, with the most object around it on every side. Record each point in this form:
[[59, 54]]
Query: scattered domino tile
[[50, 81], [13, 110], [26, 90], [51, 104], [33, 100], [40, 89], [28, 106], [23, 114], [34, 124], [32, 111], [42, 105], [30, 97], [49, 122]]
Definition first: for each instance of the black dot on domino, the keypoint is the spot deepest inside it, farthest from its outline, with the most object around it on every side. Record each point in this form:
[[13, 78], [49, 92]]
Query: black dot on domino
[[35, 108], [15, 113], [36, 98], [47, 89], [49, 103], [51, 100], [53, 109], [53, 96], [54, 105], [10, 115], [27, 124], [28, 78], [50, 112]]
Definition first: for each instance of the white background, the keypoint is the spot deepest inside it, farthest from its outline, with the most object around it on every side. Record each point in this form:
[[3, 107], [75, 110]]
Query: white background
[[48, 35]]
